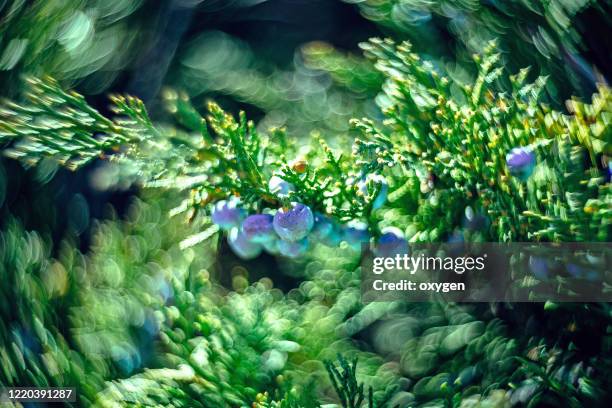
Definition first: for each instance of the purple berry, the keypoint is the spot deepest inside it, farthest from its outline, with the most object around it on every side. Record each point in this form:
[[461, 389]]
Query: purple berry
[[280, 187], [242, 246], [258, 228], [227, 214], [391, 243], [521, 161], [294, 223], [293, 249], [383, 188]]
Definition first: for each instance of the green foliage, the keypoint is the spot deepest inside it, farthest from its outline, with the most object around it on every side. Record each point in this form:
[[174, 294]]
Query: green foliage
[[345, 383], [454, 147], [34, 342], [71, 40], [351, 72], [548, 35], [450, 149], [76, 320], [236, 160], [289, 397], [62, 126], [149, 323]]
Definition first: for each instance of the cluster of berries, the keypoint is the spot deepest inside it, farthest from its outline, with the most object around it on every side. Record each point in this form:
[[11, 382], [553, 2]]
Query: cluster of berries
[[289, 231], [521, 162]]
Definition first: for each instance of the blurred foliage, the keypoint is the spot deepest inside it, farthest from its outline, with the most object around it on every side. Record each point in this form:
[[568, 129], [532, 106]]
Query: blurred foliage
[[299, 97], [158, 312], [547, 35], [73, 40], [149, 315]]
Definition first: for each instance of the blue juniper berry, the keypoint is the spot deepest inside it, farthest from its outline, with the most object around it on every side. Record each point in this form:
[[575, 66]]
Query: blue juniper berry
[[574, 270], [294, 223], [242, 246], [391, 243], [227, 214], [582, 272], [258, 228], [521, 161]]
